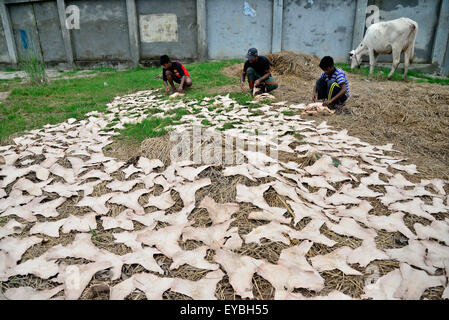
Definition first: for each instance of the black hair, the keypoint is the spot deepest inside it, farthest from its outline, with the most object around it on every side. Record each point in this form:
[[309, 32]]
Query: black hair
[[326, 62], [164, 59]]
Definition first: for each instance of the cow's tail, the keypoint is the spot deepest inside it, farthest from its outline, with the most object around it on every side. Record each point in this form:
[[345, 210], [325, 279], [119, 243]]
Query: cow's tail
[[412, 40]]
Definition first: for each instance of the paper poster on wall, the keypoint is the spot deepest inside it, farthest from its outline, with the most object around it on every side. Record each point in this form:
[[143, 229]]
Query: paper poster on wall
[[159, 27]]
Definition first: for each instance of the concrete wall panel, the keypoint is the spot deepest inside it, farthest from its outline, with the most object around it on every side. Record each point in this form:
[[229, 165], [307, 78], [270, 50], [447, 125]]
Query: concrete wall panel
[[321, 27], [24, 29], [50, 36], [4, 55], [103, 33], [445, 67], [184, 12], [233, 28]]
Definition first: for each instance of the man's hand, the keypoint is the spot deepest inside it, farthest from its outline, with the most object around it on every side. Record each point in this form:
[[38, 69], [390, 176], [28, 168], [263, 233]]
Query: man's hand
[[327, 103], [257, 83], [180, 90], [242, 86], [314, 98], [167, 89]]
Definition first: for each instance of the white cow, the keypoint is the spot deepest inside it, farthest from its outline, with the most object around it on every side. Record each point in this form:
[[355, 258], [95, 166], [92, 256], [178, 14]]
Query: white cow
[[395, 36]]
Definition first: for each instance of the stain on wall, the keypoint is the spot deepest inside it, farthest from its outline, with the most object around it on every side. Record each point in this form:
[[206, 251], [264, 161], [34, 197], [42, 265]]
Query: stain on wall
[[103, 33], [231, 32], [424, 12], [186, 45], [24, 29], [321, 27], [158, 28]]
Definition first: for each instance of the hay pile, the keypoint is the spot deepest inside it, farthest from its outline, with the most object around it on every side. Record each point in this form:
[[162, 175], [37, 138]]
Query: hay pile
[[302, 65], [288, 63], [157, 148]]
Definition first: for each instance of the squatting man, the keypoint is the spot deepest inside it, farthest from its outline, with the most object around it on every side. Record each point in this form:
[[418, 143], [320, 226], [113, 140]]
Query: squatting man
[[174, 71]]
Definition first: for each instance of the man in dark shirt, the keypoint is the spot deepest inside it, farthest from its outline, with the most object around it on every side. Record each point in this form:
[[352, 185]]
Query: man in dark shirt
[[258, 70], [174, 71]]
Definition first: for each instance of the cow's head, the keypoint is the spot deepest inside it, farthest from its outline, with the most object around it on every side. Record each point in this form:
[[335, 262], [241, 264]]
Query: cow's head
[[356, 59]]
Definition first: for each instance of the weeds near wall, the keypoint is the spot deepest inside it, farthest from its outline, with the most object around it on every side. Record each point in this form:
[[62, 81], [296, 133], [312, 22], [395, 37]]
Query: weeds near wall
[[34, 67]]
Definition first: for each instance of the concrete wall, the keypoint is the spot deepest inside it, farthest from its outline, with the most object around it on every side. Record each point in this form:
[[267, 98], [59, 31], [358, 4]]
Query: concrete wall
[[445, 68], [185, 12], [24, 28], [50, 36], [230, 33], [4, 55], [132, 31], [103, 33], [424, 12], [322, 27]]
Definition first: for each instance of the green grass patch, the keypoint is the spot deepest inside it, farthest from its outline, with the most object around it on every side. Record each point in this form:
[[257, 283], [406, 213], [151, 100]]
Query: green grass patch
[[148, 128], [336, 162], [29, 107], [288, 113], [298, 136], [206, 122], [241, 97], [152, 111], [71, 72], [228, 125], [177, 113]]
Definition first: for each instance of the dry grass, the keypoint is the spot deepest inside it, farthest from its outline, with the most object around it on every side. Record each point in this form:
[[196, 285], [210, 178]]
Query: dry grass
[[157, 148], [303, 66]]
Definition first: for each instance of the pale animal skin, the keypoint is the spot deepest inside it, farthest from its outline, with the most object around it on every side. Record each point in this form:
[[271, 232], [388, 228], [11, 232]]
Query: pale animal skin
[[337, 259], [240, 270], [415, 282], [292, 270], [218, 212]]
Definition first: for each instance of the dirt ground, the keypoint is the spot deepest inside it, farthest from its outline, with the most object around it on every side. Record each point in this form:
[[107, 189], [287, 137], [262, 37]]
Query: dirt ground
[[413, 116]]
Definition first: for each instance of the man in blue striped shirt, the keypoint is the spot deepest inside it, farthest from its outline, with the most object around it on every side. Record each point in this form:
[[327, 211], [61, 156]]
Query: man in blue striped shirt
[[332, 85]]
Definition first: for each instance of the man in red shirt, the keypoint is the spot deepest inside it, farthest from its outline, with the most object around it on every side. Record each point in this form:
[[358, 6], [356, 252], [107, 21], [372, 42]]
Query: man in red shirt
[[174, 71]]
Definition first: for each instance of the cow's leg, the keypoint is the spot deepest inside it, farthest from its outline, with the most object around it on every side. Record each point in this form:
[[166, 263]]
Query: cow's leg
[[372, 61], [406, 63], [376, 55], [396, 60]]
